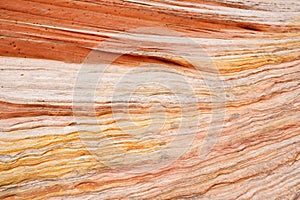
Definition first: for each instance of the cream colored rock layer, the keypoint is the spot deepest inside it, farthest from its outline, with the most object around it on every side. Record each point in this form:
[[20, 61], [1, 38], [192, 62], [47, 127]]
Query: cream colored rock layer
[[42, 155]]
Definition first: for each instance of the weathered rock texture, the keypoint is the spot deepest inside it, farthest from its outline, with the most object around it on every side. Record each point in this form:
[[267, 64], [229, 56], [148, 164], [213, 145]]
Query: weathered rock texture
[[55, 145]]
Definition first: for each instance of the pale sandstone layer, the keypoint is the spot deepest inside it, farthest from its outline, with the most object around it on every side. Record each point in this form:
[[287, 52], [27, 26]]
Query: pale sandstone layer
[[53, 147]]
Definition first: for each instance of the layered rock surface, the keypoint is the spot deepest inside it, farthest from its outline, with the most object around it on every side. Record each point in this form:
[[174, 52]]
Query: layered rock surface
[[149, 99]]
